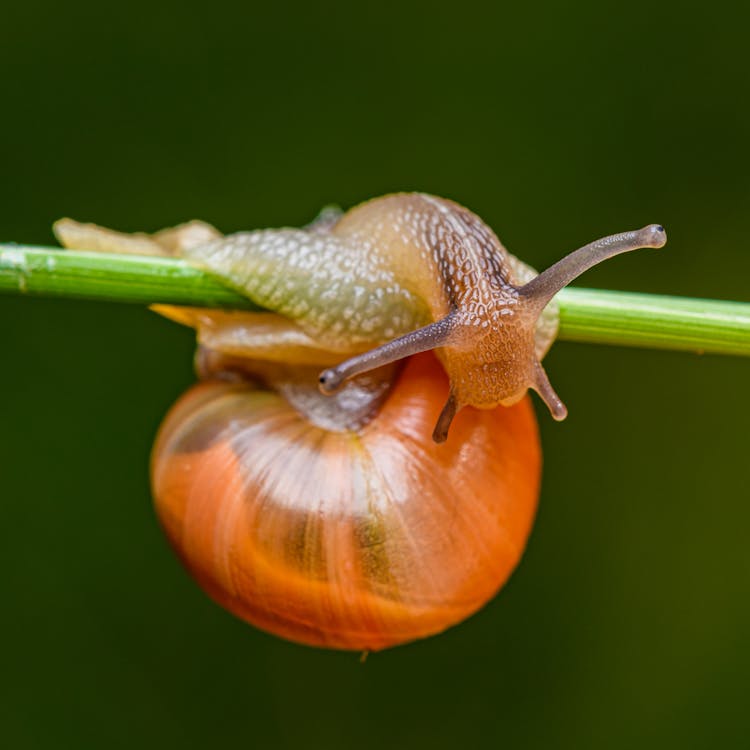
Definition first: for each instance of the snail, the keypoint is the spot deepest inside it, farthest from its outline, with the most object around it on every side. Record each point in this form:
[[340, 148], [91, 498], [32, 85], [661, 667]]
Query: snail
[[308, 481]]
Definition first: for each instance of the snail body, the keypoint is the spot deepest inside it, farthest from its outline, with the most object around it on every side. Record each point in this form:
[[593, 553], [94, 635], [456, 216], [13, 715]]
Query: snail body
[[314, 504]]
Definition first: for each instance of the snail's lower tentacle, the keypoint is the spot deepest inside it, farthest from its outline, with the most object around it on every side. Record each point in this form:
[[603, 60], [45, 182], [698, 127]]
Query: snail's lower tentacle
[[440, 433], [547, 393]]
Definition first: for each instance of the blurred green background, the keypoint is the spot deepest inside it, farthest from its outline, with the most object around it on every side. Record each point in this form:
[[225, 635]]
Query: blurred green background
[[628, 620]]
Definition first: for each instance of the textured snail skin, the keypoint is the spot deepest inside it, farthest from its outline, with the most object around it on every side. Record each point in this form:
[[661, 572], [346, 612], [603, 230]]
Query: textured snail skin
[[355, 539], [389, 267], [395, 276]]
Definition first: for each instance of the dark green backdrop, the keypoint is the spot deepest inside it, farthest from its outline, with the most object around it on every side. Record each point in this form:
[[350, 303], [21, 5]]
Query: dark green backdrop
[[628, 621]]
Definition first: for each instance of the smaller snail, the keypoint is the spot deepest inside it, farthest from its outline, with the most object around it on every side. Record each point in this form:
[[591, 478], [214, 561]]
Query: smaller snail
[[299, 482]]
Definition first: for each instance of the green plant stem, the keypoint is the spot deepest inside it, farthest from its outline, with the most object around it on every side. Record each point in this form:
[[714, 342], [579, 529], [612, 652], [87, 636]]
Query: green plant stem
[[586, 315], [140, 279], [655, 321]]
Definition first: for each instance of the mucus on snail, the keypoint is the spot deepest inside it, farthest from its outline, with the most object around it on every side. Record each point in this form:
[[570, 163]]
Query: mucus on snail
[[298, 481]]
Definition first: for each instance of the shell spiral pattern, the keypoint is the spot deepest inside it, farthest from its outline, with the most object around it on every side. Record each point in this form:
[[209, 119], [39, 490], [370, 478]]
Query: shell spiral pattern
[[346, 539]]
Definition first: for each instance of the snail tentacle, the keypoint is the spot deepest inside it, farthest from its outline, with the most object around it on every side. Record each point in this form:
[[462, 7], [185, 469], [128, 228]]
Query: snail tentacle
[[423, 339], [540, 290], [440, 432], [547, 393]]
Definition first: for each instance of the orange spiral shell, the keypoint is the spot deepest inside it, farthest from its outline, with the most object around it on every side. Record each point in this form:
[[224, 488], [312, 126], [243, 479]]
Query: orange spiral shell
[[351, 540]]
